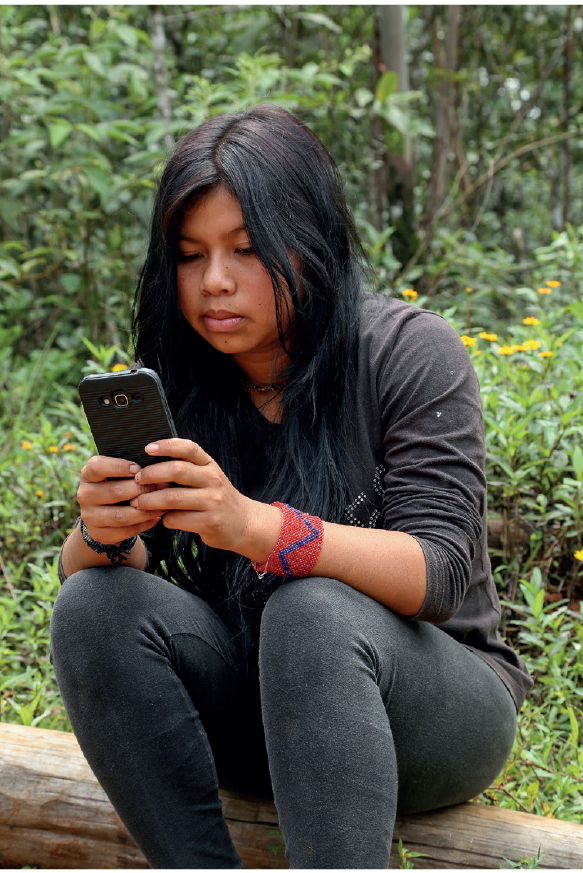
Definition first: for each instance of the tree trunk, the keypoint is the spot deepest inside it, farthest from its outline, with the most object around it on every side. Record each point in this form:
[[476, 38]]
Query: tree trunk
[[565, 151], [396, 178], [292, 30], [158, 37], [445, 59], [393, 51]]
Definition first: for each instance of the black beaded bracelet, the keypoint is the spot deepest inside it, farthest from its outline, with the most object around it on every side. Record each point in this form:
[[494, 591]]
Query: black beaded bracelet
[[114, 553]]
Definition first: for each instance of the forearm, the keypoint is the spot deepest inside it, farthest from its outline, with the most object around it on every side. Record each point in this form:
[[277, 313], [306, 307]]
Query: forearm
[[388, 566], [77, 555]]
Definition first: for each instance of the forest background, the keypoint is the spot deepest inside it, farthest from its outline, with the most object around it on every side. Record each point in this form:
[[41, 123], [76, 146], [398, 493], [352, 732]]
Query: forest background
[[459, 133]]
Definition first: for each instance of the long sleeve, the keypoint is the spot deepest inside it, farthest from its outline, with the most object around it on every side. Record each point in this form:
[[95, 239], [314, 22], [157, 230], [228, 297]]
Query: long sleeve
[[434, 486]]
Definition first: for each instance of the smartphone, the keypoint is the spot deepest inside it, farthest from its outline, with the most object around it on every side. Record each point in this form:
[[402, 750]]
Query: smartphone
[[126, 411]]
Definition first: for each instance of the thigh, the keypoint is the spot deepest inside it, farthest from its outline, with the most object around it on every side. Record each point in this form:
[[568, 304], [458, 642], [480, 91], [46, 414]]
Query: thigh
[[451, 719], [131, 641], [127, 620]]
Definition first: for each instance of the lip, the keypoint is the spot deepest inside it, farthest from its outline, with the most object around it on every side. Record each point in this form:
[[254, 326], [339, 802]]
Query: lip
[[221, 320]]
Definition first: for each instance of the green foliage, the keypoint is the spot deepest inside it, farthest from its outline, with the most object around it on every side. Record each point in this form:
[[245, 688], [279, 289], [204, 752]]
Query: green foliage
[[82, 141], [544, 773], [83, 135], [278, 848], [28, 690], [528, 366], [406, 857], [75, 174], [534, 418], [522, 863], [45, 442]]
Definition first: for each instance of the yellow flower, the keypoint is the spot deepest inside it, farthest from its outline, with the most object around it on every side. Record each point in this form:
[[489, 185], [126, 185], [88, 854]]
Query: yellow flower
[[53, 449], [492, 337], [552, 283], [544, 354], [506, 350], [69, 448], [40, 493], [530, 320], [579, 555], [478, 352], [410, 292], [531, 345], [469, 290], [26, 445], [118, 368], [544, 290], [68, 434], [468, 340]]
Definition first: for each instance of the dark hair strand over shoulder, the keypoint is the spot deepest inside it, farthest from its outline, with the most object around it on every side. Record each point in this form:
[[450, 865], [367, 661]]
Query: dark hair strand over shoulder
[[292, 202]]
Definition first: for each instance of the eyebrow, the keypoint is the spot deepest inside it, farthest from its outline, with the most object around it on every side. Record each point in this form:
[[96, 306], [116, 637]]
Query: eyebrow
[[233, 232]]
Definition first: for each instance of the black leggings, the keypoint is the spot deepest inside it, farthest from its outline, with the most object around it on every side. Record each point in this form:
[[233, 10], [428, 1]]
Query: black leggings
[[358, 713]]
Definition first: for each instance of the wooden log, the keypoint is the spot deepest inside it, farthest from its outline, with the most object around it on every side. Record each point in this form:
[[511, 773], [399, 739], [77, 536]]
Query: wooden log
[[54, 814], [475, 835]]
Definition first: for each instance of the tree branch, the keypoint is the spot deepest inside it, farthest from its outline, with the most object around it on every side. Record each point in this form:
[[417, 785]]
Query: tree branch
[[7, 578], [448, 207], [526, 107]]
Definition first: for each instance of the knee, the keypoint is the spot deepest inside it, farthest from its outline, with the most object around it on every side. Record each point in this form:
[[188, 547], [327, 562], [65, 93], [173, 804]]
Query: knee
[[91, 596], [317, 603], [89, 615], [301, 605], [311, 620]]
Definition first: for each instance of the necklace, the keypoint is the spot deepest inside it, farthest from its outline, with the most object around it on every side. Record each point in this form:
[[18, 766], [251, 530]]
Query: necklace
[[274, 386]]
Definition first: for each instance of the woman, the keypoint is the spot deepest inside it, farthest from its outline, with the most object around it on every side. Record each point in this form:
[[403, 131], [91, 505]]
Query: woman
[[333, 633]]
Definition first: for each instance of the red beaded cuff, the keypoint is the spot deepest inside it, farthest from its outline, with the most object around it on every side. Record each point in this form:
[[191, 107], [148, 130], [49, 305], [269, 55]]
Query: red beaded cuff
[[298, 546]]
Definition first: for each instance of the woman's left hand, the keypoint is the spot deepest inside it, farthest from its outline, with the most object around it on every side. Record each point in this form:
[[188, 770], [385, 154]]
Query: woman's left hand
[[207, 503]]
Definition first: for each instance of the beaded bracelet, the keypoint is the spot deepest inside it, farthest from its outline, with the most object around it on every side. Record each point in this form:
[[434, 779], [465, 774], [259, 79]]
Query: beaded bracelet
[[114, 553], [298, 546]]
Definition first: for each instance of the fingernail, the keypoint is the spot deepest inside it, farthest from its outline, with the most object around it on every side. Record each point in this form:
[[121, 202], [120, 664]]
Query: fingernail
[[152, 448], [134, 502], [134, 468], [138, 477]]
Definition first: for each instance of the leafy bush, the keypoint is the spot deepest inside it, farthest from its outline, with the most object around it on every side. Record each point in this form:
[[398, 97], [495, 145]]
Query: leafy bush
[[544, 773]]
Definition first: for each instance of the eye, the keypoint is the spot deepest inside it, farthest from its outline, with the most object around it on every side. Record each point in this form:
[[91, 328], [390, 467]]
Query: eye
[[184, 258], [245, 250]]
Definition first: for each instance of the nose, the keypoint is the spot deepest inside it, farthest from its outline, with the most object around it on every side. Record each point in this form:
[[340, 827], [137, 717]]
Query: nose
[[217, 278]]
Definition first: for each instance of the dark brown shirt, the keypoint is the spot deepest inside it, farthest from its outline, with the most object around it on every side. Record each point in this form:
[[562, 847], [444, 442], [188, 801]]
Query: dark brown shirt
[[420, 469]]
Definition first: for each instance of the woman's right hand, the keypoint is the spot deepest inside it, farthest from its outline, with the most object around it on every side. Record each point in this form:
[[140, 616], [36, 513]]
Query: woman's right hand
[[105, 484]]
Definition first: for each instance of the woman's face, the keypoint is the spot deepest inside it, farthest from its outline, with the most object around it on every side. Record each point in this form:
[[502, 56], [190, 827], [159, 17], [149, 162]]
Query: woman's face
[[224, 291]]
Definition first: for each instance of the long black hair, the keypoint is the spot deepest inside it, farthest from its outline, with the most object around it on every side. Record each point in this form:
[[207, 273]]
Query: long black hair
[[290, 195]]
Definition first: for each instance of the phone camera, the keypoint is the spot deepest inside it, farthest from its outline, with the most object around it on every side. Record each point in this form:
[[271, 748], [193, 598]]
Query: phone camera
[[121, 400]]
